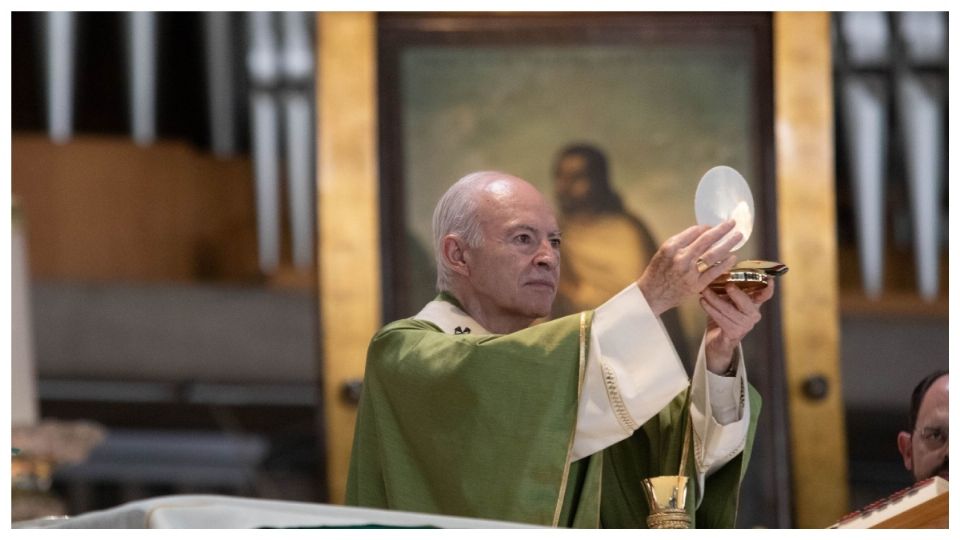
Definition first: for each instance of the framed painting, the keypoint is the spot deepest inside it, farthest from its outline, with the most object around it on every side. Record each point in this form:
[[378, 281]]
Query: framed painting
[[613, 116]]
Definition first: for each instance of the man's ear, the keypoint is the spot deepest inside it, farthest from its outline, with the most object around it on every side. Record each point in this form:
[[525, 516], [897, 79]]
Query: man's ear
[[454, 255], [905, 445]]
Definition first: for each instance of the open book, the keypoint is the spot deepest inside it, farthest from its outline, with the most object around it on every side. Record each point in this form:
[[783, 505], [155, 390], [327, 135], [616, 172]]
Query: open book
[[922, 505]]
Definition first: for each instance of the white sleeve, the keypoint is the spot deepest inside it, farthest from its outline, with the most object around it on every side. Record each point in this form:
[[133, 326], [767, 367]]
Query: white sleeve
[[720, 423], [632, 372]]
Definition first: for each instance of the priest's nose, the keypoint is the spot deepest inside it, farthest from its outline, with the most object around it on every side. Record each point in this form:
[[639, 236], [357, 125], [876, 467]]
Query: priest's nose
[[547, 256]]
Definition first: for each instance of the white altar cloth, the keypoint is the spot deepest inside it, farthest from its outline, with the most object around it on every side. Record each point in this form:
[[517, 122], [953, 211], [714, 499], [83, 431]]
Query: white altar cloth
[[223, 512]]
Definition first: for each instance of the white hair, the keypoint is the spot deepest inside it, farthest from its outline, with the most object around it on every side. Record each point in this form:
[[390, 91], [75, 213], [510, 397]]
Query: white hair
[[456, 213]]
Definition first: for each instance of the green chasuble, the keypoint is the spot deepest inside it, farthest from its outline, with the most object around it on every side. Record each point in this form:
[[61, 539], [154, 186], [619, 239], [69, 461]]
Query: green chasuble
[[483, 425]]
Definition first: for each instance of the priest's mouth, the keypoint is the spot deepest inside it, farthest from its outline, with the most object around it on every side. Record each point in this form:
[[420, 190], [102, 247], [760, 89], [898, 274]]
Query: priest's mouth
[[543, 283]]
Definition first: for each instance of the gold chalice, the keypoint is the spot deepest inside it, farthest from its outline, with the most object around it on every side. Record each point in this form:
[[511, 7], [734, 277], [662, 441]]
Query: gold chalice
[[667, 498]]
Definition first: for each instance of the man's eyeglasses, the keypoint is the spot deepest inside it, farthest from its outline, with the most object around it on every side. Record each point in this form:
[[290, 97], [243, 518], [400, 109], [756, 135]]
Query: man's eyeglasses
[[935, 436]]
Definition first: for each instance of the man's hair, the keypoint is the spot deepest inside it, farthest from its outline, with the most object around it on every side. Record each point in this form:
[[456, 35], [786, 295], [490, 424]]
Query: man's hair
[[602, 196], [919, 392], [456, 213]]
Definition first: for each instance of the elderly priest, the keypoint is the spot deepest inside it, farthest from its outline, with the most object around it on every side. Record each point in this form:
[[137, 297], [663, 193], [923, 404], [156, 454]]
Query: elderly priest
[[469, 408]]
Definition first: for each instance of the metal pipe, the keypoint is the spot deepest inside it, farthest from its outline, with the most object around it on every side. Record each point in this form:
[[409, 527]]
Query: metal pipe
[[866, 127], [265, 155], [60, 39], [221, 96], [263, 66], [298, 71], [922, 122], [142, 58], [300, 176]]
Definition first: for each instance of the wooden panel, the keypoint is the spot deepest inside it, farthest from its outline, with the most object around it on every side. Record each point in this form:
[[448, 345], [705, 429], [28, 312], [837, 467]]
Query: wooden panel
[[805, 183], [348, 220], [932, 514], [102, 208]]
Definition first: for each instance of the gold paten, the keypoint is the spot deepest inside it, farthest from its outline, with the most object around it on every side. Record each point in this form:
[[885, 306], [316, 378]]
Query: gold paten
[[749, 276]]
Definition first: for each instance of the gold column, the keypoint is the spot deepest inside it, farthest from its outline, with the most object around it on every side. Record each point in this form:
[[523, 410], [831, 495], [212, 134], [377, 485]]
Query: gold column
[[347, 213], [805, 185]]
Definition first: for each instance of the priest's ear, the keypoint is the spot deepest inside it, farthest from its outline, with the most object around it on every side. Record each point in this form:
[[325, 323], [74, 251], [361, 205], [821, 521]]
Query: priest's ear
[[905, 445], [454, 254]]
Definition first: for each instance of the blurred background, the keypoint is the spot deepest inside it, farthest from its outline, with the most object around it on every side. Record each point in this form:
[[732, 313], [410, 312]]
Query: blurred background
[[890, 100], [164, 304], [166, 279]]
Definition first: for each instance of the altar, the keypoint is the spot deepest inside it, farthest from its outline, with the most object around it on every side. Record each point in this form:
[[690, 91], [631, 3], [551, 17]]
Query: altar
[[223, 512]]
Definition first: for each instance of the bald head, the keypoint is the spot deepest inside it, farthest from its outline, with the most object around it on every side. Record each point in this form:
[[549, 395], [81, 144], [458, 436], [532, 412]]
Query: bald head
[[498, 250], [926, 447], [464, 207]]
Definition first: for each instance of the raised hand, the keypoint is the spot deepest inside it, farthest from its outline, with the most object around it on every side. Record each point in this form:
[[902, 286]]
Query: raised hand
[[686, 263], [730, 318]]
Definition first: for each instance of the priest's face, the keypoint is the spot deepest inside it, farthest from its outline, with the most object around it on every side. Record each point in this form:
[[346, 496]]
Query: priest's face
[[926, 451], [514, 272]]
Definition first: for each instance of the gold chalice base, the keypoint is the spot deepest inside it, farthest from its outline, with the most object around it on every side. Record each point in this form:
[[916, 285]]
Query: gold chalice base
[[669, 519], [667, 499]]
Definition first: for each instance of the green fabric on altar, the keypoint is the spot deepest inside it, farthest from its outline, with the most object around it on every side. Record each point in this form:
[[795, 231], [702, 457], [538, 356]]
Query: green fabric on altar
[[481, 426]]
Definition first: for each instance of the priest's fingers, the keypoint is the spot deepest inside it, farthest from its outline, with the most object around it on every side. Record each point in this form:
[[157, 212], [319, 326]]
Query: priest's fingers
[[716, 270], [717, 252], [681, 240], [732, 328], [764, 294], [741, 299], [699, 247], [737, 306], [718, 303]]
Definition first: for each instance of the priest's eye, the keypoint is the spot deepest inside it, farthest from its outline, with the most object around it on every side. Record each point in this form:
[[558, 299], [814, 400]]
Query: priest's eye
[[555, 242], [523, 238], [934, 435]]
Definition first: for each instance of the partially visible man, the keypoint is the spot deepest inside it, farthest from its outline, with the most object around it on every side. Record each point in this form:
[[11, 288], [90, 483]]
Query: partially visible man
[[469, 410], [926, 446], [604, 244]]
